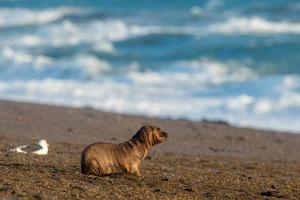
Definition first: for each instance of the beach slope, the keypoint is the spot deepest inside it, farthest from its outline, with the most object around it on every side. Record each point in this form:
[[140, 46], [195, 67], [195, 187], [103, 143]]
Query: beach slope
[[201, 160]]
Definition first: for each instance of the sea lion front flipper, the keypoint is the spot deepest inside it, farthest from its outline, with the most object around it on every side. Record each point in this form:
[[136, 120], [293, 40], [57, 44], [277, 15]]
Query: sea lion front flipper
[[133, 168]]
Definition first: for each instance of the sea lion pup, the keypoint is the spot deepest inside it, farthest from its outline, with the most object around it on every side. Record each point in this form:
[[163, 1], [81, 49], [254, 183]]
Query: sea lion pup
[[106, 158]]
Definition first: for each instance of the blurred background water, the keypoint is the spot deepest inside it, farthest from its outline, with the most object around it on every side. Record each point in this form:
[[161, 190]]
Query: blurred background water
[[232, 60]]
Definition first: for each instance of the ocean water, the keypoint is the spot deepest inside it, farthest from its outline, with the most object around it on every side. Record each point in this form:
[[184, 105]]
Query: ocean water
[[233, 60]]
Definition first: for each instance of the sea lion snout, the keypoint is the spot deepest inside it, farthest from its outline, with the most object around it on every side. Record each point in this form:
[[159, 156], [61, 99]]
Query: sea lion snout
[[160, 135], [164, 134]]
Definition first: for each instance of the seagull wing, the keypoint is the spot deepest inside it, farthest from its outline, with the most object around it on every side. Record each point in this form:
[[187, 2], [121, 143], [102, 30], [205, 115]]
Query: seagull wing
[[31, 148]]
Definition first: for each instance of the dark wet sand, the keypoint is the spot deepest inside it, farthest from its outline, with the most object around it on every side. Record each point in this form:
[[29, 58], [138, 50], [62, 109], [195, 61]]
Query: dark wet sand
[[201, 160]]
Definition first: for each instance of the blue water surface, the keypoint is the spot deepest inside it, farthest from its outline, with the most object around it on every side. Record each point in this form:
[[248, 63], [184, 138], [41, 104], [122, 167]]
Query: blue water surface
[[230, 60]]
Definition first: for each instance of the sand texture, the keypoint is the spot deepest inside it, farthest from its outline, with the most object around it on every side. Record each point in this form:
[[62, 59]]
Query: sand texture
[[201, 160]]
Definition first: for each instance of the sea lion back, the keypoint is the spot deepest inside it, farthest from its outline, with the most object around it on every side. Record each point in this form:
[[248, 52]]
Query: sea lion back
[[96, 159]]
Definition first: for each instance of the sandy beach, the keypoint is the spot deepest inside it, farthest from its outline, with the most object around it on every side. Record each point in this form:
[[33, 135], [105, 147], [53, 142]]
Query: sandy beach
[[201, 160]]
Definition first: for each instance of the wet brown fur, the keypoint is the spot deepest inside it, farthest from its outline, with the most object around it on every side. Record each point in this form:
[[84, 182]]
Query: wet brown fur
[[106, 158]]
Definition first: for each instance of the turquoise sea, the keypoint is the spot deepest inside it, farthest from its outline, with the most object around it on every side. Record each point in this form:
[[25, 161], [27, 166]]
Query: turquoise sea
[[233, 60]]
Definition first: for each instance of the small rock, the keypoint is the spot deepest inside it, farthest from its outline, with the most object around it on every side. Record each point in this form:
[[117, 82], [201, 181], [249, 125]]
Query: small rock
[[158, 190], [263, 147], [206, 194], [188, 189], [69, 129], [3, 189], [164, 178], [266, 193], [37, 197], [273, 187]]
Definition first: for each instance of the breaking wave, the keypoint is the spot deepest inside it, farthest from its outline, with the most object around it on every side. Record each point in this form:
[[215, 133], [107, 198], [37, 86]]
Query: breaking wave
[[25, 17], [254, 25]]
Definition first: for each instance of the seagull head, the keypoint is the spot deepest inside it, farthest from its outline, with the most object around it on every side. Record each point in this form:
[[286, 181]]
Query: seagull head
[[43, 143]]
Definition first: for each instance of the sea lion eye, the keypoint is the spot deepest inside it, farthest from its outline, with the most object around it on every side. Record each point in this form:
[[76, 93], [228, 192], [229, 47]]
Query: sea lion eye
[[161, 133]]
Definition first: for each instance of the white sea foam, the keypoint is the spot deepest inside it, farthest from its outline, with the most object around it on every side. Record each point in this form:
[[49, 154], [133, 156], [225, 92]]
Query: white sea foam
[[254, 25], [92, 66], [212, 4], [184, 78], [19, 17], [84, 65], [190, 90], [193, 89], [100, 34], [240, 109], [114, 29], [214, 72], [18, 57], [196, 11]]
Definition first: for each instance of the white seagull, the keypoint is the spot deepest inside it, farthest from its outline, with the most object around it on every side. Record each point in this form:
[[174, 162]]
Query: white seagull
[[40, 148]]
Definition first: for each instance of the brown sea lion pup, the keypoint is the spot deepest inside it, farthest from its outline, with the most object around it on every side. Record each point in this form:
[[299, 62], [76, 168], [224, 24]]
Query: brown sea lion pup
[[106, 158]]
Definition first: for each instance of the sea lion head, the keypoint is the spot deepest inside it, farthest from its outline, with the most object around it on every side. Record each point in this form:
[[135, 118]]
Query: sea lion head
[[151, 135]]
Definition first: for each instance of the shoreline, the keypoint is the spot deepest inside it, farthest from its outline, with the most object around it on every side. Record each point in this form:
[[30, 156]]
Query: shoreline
[[200, 160], [87, 107], [67, 124]]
